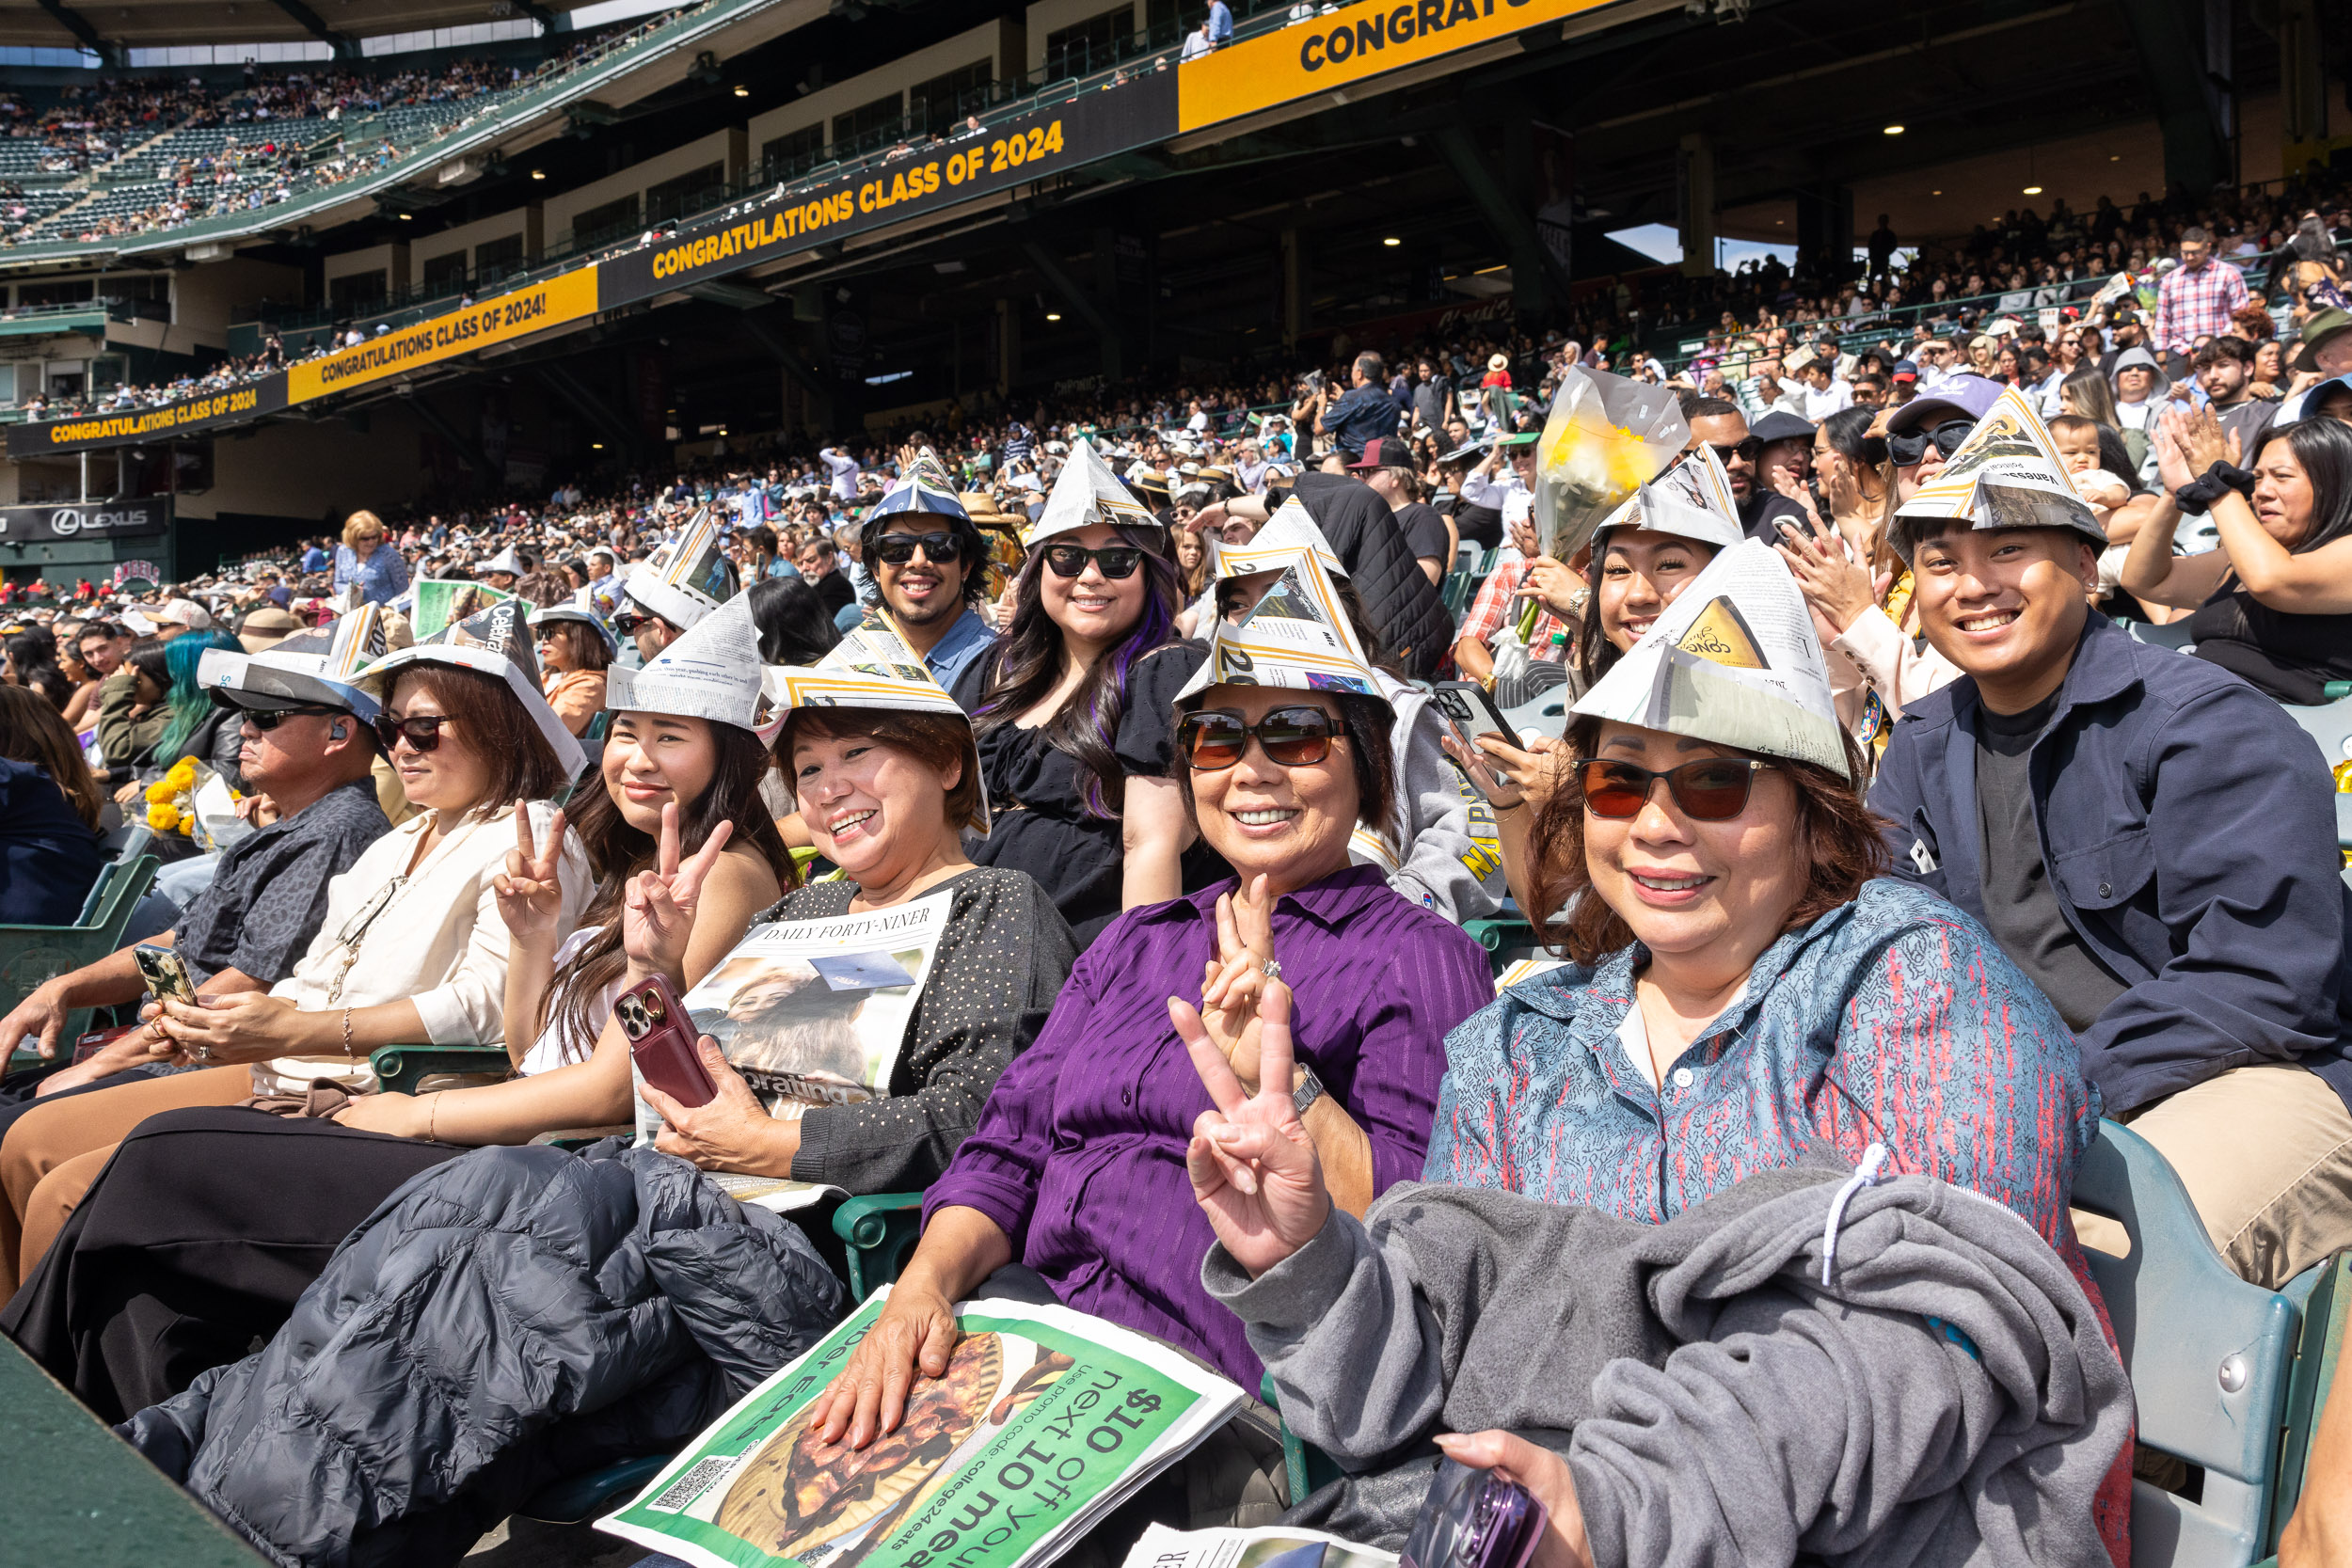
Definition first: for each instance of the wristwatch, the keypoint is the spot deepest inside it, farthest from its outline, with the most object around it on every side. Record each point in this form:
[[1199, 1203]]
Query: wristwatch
[[1307, 1088]]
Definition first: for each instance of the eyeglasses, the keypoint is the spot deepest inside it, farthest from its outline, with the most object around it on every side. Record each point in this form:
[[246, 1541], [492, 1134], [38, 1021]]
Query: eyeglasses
[[1116, 561], [1292, 737], [423, 732], [1911, 445], [897, 549], [628, 624], [1713, 790]]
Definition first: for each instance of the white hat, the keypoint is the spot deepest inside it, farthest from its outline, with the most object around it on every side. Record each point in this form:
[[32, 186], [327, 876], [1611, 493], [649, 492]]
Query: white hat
[[1086, 492], [1291, 530], [869, 668], [578, 608], [505, 560], [313, 668], [1692, 500], [713, 673], [2006, 474], [687, 578], [184, 613], [496, 641], [1733, 660], [1297, 637]]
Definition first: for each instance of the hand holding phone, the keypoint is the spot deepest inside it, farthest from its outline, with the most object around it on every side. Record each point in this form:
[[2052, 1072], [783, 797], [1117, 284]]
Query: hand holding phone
[[1475, 1519], [663, 1040], [165, 972], [1469, 711]]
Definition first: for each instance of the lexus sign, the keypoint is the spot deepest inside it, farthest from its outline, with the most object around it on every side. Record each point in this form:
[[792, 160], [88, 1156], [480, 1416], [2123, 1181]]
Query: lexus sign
[[123, 519]]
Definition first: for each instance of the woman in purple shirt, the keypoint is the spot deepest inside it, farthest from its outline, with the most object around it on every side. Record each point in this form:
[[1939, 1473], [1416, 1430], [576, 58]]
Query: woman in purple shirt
[[1078, 1167]]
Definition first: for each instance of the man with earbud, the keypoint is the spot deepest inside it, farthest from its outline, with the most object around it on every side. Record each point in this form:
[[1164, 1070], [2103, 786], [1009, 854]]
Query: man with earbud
[[308, 747]]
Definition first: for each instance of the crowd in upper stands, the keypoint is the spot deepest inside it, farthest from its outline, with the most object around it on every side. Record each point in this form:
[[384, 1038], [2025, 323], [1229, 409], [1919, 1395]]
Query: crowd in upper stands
[[1876, 843]]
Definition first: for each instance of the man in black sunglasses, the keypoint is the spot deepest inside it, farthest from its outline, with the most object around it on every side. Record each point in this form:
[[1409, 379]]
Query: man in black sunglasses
[[928, 570], [1777, 453]]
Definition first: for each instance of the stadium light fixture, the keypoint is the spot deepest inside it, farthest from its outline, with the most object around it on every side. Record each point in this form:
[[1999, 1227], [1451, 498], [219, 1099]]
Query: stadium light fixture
[[2033, 190], [538, 174], [1392, 240], [1893, 130], [1053, 315], [741, 91]]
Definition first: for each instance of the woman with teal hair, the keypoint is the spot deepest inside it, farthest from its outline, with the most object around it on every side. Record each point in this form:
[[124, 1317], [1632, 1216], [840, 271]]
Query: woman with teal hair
[[196, 728]]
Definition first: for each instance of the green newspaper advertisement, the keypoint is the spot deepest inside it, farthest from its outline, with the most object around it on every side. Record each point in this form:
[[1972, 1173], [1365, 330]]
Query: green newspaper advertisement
[[1046, 1420], [441, 604]]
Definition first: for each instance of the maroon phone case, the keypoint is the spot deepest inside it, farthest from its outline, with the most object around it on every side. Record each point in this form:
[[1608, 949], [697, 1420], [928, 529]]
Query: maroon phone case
[[661, 1037], [91, 1044]]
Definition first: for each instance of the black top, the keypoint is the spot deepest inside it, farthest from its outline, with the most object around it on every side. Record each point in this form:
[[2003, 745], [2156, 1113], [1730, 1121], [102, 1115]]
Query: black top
[[2020, 907], [1001, 963], [2287, 658], [48, 860], [1043, 826], [1765, 512], [269, 892], [1425, 533], [833, 591]]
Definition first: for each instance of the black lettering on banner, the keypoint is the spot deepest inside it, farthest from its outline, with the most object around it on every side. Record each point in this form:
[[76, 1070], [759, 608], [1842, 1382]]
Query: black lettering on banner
[[1370, 34]]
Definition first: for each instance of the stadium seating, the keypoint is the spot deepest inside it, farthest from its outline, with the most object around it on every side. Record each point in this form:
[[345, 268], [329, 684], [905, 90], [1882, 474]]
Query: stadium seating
[[32, 954]]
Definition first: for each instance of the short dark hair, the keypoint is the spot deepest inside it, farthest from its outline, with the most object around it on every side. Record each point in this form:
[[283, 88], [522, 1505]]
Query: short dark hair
[[492, 720], [972, 550], [107, 631], [1704, 407], [2224, 348], [937, 740]]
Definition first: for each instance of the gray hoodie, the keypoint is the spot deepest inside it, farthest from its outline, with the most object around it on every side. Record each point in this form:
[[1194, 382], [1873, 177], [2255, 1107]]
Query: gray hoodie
[[1947, 1398]]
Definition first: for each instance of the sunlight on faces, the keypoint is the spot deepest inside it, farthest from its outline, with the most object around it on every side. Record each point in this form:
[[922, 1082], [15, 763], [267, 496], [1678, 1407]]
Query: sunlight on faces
[[1290, 824], [922, 592], [1684, 886], [2077, 449], [1090, 607], [451, 776], [269, 757], [871, 808], [652, 760], [1641, 572], [652, 636], [2003, 604], [2284, 501], [555, 649]]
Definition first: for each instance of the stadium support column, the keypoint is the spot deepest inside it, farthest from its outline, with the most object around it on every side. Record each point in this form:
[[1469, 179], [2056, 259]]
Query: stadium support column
[[1694, 203], [1294, 285], [2302, 84], [2183, 51], [1537, 279]]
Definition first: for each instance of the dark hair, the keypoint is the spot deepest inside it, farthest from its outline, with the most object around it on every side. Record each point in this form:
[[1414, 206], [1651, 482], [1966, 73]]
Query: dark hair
[[1025, 663], [1364, 725], [148, 660], [617, 850], [971, 551], [581, 645], [1595, 654], [937, 740], [1848, 436], [1704, 407], [492, 722], [2224, 348], [106, 630], [32, 731], [794, 625], [1839, 840], [2323, 448]]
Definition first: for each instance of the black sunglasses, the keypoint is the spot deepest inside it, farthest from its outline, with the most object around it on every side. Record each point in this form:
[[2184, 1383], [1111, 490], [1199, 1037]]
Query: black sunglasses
[[268, 719], [897, 549], [1911, 447], [626, 624], [1292, 737], [1713, 790], [1116, 561], [422, 732]]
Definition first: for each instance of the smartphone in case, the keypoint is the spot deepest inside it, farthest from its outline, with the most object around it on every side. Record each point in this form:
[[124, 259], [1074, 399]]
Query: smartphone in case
[[89, 1045], [1475, 1519], [1469, 709], [165, 972], [661, 1037]]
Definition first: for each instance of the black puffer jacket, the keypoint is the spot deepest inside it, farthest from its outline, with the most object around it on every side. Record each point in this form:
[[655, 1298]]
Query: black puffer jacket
[[1405, 606], [503, 1320]]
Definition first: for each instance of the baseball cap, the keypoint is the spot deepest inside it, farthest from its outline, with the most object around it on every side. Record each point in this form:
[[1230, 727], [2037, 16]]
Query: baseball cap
[[1967, 396], [1906, 370], [1385, 451], [184, 613]]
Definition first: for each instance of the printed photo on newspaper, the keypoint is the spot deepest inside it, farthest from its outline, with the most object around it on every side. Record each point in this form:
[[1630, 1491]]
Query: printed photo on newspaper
[[1045, 1419], [813, 1012], [1270, 1546], [440, 604]]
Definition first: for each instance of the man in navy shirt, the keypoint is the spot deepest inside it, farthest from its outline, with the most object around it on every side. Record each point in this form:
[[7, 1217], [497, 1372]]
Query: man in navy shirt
[[1366, 413]]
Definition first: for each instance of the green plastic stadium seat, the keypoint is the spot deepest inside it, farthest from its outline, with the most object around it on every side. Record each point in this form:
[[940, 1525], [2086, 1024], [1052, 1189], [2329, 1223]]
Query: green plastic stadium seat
[[879, 1229], [2172, 634], [32, 954], [577, 1500], [2324, 1296], [1309, 1467], [2331, 724]]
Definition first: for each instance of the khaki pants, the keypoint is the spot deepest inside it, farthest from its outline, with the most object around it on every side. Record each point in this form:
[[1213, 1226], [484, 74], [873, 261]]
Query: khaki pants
[[2266, 1153]]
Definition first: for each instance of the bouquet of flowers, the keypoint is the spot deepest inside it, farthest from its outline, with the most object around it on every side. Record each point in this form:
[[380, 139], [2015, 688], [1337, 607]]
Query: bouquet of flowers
[[1606, 437]]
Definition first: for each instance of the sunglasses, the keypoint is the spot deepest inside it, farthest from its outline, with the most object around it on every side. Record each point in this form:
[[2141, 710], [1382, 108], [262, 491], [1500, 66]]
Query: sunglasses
[[1292, 737], [1116, 561], [626, 624], [897, 549], [422, 732], [266, 719], [1911, 445], [1713, 790]]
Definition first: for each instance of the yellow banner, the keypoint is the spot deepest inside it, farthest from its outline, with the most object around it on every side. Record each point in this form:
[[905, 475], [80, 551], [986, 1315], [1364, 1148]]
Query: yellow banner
[[1352, 44], [543, 305]]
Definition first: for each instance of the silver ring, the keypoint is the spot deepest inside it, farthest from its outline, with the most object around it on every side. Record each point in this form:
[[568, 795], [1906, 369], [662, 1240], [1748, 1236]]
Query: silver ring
[[1274, 969], [202, 1052]]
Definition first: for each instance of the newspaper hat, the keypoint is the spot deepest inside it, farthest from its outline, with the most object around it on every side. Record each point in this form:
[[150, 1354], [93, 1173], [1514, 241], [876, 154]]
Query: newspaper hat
[[1692, 500], [1297, 637], [505, 560], [713, 673], [688, 577], [923, 490], [308, 669], [1290, 531], [580, 610], [496, 641], [2006, 474], [1733, 660], [870, 668], [1086, 491]]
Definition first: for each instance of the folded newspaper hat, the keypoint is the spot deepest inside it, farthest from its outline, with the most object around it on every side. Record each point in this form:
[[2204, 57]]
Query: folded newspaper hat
[[923, 490], [2006, 474], [1733, 660], [1297, 637], [1291, 530], [870, 668], [688, 577], [1087, 491], [317, 668], [1691, 501], [505, 560], [578, 610], [713, 673], [496, 641]]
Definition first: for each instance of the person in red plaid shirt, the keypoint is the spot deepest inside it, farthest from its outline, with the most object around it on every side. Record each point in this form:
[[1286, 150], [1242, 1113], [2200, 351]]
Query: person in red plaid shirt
[[2197, 298], [1499, 604]]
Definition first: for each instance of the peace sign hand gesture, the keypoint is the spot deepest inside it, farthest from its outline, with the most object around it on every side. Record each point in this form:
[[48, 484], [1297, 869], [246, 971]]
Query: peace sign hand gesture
[[531, 890], [658, 906], [1234, 983], [1252, 1161]]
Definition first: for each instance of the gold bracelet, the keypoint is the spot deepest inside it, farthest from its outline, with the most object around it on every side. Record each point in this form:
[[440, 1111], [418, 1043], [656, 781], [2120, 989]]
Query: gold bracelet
[[348, 1051], [432, 1116]]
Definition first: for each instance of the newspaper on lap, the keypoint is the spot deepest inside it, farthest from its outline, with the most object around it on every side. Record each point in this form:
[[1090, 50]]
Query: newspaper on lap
[[1045, 1421]]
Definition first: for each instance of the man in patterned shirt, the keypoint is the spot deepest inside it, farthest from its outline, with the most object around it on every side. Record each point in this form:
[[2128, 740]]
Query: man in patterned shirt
[[1500, 602], [2196, 299]]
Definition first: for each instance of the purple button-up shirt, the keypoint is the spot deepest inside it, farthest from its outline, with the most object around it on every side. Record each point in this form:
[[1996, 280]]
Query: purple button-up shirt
[[1080, 1157]]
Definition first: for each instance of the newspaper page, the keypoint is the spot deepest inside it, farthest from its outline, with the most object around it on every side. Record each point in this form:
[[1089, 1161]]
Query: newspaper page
[[1045, 1419], [1270, 1546], [2006, 474], [813, 1012], [1299, 635], [441, 602]]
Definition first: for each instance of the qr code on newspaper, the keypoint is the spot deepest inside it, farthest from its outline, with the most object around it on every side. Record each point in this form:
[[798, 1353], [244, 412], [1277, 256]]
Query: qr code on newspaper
[[690, 1484]]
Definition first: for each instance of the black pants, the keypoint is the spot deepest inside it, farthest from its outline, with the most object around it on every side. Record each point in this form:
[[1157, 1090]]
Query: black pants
[[193, 1245]]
